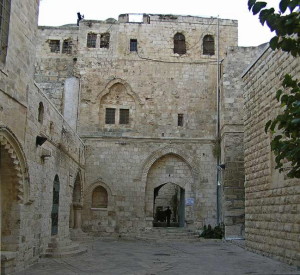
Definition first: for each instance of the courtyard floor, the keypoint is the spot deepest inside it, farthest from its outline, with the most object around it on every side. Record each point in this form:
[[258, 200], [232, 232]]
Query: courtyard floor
[[137, 257]]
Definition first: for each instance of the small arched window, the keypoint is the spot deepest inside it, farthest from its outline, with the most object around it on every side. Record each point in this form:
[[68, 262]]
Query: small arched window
[[179, 43], [41, 112], [208, 45], [99, 197]]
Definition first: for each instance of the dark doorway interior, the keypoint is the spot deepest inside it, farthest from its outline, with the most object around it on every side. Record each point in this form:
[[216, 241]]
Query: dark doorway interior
[[168, 195], [55, 206]]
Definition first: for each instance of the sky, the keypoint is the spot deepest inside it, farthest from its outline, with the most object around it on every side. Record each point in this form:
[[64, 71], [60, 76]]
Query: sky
[[251, 32]]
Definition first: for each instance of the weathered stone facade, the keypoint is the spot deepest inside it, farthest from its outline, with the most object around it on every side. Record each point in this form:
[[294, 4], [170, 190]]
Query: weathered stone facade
[[272, 202], [28, 167], [103, 123]]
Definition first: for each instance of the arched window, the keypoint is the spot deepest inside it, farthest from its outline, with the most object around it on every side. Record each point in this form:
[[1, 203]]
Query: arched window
[[179, 43], [208, 45], [99, 197], [41, 113]]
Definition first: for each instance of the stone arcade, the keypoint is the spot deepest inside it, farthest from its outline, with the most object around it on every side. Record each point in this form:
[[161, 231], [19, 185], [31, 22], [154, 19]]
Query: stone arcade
[[106, 124]]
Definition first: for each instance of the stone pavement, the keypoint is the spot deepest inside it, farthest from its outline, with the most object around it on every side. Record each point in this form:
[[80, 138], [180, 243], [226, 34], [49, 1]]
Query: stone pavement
[[137, 257]]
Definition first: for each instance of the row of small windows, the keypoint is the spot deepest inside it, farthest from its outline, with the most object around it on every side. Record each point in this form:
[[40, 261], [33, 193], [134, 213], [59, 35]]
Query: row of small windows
[[92, 40], [110, 116], [55, 46], [179, 43]]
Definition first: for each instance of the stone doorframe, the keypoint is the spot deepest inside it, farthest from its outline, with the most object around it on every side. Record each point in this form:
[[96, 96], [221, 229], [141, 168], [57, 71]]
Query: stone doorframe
[[169, 150]]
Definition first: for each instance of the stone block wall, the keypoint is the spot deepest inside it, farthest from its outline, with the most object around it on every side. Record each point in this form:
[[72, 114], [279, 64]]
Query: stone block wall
[[271, 200], [232, 177]]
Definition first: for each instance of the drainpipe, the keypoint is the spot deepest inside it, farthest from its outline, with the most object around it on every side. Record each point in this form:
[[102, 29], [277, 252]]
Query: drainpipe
[[218, 118]]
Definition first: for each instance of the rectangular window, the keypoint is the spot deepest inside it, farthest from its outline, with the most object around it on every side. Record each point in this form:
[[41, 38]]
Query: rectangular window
[[180, 120], [104, 40], [54, 46], [133, 45], [124, 116], [91, 40], [4, 28], [67, 47], [110, 115]]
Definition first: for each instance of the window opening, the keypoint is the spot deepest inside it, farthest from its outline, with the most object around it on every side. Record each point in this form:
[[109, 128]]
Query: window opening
[[67, 46], [180, 120], [110, 115], [4, 28], [41, 113], [91, 40], [99, 197], [54, 46], [179, 43], [124, 116], [133, 45], [208, 45], [104, 40]]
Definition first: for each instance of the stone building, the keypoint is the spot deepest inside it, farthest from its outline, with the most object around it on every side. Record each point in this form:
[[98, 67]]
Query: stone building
[[104, 124]]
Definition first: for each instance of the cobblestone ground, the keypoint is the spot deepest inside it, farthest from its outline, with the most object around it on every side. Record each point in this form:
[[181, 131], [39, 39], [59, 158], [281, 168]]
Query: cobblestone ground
[[136, 257]]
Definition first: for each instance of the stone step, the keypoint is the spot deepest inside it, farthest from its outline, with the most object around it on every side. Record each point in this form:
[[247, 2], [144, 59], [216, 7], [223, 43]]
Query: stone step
[[70, 247], [59, 254]]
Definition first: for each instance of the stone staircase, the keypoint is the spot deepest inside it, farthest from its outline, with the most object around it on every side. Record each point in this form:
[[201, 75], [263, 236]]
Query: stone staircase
[[177, 234], [63, 248]]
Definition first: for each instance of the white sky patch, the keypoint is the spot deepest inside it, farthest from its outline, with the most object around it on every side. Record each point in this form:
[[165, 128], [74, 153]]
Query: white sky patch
[[251, 32]]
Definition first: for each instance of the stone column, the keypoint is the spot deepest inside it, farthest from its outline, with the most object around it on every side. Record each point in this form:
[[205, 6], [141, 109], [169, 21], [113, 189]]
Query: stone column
[[77, 207]]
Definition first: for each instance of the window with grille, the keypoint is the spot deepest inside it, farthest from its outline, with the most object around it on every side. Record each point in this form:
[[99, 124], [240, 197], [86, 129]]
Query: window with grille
[[91, 40], [4, 28], [67, 47], [54, 46], [124, 116], [104, 40], [208, 45], [110, 115], [133, 45], [179, 43], [180, 120], [41, 113]]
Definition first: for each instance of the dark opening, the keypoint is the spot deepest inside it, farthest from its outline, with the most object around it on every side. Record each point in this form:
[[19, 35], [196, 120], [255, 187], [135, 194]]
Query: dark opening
[[110, 115], [179, 43], [67, 47], [54, 46], [104, 40], [133, 45], [91, 40], [180, 120], [124, 116], [208, 45]]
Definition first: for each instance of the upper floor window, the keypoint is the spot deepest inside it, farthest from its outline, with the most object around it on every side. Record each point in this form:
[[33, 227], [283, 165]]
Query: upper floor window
[[41, 113], [104, 40], [133, 45], [180, 120], [208, 45], [91, 40], [110, 115], [54, 46], [4, 28], [124, 116], [179, 43], [67, 46]]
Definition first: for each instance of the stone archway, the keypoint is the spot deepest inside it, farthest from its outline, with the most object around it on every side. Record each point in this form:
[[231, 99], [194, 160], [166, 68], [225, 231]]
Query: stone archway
[[14, 188], [76, 205], [169, 168]]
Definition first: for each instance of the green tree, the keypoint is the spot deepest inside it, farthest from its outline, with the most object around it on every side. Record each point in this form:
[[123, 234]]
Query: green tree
[[286, 126]]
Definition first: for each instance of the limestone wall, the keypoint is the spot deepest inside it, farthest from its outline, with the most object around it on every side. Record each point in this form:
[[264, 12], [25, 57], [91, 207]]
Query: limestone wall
[[232, 132], [272, 201]]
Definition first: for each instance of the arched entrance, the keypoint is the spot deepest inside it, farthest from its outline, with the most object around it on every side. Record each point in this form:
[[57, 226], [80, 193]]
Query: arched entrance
[[55, 206], [76, 206], [169, 174], [10, 216], [170, 196]]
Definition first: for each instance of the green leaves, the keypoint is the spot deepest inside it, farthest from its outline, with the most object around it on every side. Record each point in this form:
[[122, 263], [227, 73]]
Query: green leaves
[[283, 5]]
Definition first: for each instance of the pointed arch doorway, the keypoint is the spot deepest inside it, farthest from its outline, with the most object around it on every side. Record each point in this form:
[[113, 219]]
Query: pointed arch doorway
[[172, 196]]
